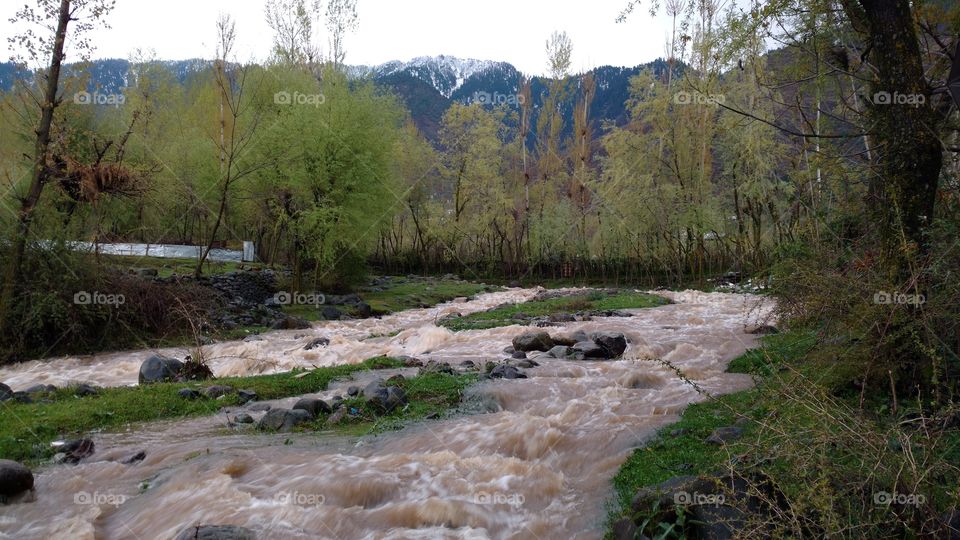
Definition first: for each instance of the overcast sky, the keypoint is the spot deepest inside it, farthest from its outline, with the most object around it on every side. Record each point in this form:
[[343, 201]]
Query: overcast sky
[[510, 30]]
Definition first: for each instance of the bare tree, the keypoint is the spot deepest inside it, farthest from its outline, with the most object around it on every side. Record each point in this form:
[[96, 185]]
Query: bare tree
[[341, 20], [292, 24]]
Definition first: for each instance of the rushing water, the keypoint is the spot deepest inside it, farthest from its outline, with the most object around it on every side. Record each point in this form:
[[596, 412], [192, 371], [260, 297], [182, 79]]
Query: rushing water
[[538, 467]]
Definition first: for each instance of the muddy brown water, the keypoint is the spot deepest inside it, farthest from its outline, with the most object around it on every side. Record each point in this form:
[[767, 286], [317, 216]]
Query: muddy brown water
[[539, 466]]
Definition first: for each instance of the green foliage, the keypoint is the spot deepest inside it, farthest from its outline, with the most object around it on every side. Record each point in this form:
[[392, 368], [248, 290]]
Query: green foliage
[[27, 429]]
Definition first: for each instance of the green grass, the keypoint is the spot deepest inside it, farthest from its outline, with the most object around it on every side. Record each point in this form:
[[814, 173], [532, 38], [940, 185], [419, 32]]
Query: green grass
[[26, 430], [679, 449], [792, 416], [597, 300], [429, 395], [413, 294]]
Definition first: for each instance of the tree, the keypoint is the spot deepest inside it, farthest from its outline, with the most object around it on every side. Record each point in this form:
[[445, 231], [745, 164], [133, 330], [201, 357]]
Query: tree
[[341, 18], [56, 19], [292, 24]]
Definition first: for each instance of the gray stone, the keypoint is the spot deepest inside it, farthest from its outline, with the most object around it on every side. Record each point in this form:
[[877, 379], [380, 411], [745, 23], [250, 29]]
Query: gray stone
[[384, 398], [188, 393], [246, 396], [40, 389], [614, 343], [14, 478], [216, 391], [314, 406], [5, 392], [532, 341], [283, 419], [591, 350], [504, 371], [243, 418], [159, 369]]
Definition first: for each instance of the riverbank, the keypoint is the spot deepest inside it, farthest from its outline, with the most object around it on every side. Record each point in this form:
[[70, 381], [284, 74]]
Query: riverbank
[[790, 458]]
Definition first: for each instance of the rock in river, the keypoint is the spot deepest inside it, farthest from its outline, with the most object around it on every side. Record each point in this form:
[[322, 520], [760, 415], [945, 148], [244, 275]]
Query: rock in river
[[159, 369], [14, 478]]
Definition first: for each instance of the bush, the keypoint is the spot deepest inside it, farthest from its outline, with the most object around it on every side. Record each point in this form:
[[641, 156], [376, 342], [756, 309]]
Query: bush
[[68, 303]]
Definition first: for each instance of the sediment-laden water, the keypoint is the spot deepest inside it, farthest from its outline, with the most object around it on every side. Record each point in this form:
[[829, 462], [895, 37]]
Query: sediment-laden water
[[538, 467]]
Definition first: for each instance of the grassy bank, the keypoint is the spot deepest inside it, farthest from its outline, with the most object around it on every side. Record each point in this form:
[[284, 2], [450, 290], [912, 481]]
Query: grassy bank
[[398, 293], [26, 430], [588, 301], [825, 461]]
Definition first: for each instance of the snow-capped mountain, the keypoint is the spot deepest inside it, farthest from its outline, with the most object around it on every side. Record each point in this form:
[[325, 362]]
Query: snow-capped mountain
[[445, 73]]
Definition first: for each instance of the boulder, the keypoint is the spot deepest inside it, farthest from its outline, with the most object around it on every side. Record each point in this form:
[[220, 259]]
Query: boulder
[[256, 407], [314, 406], [562, 352], [159, 369], [384, 398], [14, 479], [243, 418], [5, 392], [591, 350], [246, 396], [353, 391], [283, 419], [188, 393], [40, 389], [526, 363], [561, 318], [533, 341], [83, 390], [216, 532], [504, 371], [330, 313], [518, 354], [612, 342], [218, 390]]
